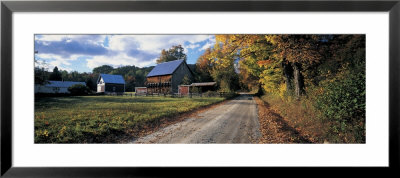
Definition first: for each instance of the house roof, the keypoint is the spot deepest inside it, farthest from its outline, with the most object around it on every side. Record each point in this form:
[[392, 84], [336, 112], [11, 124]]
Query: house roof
[[63, 84], [165, 68], [116, 79]]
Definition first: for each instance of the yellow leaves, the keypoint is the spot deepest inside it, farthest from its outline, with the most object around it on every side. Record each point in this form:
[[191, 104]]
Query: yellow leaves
[[42, 133], [272, 39], [221, 38], [61, 132], [282, 90], [264, 62]]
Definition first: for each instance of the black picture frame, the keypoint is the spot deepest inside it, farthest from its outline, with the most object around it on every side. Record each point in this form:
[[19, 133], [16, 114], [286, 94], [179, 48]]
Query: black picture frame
[[8, 7]]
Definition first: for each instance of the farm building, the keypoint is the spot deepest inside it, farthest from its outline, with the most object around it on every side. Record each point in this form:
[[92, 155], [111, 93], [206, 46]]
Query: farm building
[[196, 88], [204, 86], [107, 83], [184, 89], [140, 90], [56, 86], [166, 77]]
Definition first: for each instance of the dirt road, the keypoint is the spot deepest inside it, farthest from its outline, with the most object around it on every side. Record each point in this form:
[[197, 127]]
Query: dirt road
[[235, 121]]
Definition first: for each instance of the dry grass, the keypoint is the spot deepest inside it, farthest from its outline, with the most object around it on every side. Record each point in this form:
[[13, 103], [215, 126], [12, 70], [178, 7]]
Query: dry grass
[[289, 122]]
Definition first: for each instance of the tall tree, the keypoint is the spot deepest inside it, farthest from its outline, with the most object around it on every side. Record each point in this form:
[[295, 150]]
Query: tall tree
[[104, 69], [296, 52], [41, 73], [249, 50], [55, 75], [204, 67], [223, 68], [90, 83], [174, 53]]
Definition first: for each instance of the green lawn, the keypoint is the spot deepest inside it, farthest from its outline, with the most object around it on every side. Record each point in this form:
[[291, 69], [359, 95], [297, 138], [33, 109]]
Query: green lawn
[[98, 119]]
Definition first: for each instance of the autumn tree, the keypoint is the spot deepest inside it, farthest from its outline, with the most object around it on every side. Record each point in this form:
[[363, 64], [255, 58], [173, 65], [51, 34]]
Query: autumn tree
[[248, 50], [274, 59], [328, 69], [296, 53], [174, 53], [204, 67]]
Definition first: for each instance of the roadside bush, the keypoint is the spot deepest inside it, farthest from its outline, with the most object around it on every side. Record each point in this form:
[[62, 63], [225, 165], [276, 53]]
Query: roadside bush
[[343, 103], [211, 94], [230, 95], [79, 89]]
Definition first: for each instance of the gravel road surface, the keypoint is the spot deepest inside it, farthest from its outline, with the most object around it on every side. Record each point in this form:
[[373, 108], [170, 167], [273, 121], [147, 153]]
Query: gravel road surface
[[235, 121]]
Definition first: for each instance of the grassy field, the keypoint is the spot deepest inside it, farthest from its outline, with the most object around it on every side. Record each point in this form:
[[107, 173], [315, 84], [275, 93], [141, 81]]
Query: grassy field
[[105, 119]]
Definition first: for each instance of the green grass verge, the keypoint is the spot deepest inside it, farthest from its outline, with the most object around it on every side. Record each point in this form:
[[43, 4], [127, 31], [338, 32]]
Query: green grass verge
[[104, 119]]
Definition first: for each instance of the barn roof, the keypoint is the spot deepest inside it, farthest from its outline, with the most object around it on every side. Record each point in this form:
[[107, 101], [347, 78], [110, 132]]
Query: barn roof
[[63, 84], [165, 68], [116, 79]]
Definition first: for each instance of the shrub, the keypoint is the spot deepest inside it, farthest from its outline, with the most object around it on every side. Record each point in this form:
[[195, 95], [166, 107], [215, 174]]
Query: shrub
[[79, 89], [343, 102], [211, 94], [230, 95]]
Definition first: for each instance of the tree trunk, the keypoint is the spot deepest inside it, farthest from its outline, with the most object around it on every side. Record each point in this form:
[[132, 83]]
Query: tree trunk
[[260, 90], [288, 72], [298, 80]]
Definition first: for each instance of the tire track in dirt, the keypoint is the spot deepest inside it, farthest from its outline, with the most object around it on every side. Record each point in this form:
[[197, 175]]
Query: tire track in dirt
[[235, 121]]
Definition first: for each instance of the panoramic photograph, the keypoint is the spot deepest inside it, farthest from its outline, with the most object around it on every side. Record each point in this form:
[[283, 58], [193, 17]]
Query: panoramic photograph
[[200, 89]]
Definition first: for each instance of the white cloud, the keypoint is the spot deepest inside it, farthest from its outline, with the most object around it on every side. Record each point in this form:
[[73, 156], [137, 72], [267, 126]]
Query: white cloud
[[154, 43], [118, 43], [118, 60], [210, 43], [191, 46], [50, 37], [90, 39], [56, 60]]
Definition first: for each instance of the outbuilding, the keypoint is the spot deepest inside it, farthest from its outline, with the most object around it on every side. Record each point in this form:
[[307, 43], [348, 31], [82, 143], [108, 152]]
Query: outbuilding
[[184, 89], [56, 86], [140, 90], [197, 88], [107, 83], [204, 86]]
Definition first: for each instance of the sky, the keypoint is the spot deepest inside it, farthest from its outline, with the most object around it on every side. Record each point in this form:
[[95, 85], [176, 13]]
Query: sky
[[82, 53]]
